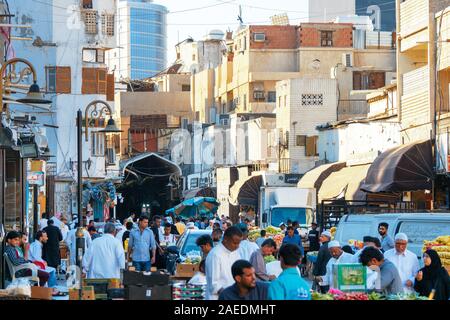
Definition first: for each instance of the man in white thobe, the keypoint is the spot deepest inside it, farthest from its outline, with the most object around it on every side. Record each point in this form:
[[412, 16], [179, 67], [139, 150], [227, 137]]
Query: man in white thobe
[[338, 256], [246, 247], [35, 254], [219, 262], [405, 261], [71, 241], [106, 257]]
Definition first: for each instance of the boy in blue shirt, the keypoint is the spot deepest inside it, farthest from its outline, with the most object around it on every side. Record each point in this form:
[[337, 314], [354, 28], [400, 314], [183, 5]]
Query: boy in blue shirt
[[289, 285]]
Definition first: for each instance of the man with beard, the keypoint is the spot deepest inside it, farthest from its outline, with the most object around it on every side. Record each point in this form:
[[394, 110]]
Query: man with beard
[[245, 287], [387, 243]]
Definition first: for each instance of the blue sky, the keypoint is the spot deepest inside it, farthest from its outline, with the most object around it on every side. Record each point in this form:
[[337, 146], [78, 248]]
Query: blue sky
[[222, 14]]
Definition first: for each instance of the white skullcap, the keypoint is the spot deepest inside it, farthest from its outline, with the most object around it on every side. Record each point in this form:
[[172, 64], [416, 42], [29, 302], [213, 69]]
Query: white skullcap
[[401, 236], [190, 225], [327, 234], [334, 244]]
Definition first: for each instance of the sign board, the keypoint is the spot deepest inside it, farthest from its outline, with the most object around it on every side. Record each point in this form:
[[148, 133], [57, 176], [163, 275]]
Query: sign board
[[350, 277], [36, 178], [381, 12], [292, 178]]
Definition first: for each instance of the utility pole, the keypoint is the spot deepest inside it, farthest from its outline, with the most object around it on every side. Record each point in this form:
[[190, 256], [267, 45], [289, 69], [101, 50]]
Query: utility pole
[[80, 241]]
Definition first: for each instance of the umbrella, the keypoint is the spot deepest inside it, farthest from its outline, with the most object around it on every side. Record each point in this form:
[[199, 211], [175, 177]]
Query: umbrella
[[198, 206]]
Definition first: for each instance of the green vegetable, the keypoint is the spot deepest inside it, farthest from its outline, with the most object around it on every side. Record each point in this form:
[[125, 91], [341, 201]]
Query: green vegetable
[[268, 259]]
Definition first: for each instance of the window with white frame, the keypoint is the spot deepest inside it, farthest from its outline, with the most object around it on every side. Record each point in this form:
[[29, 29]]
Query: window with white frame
[[259, 37], [97, 144], [94, 55], [311, 99]]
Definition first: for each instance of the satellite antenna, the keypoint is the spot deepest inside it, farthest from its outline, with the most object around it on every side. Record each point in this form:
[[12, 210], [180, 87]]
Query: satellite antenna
[[240, 19]]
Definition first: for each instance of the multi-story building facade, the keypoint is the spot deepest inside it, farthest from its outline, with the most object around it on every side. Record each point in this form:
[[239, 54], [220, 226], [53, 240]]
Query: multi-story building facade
[[423, 79], [68, 50], [141, 40]]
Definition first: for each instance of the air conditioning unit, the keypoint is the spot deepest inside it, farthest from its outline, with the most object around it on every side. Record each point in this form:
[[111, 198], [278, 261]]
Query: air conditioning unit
[[259, 95], [347, 60], [259, 37]]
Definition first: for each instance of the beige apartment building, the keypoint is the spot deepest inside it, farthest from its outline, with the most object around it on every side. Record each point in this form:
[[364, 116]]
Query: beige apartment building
[[259, 56]]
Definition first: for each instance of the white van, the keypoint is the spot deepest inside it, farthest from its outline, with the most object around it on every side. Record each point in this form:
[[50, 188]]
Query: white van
[[417, 226]]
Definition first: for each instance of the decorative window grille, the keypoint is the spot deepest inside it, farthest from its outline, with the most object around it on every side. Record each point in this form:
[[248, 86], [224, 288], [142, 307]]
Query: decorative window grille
[[312, 99], [108, 24], [90, 21]]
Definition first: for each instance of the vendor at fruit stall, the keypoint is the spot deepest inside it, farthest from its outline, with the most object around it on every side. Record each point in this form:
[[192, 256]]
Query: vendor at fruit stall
[[258, 262], [282, 226], [338, 256]]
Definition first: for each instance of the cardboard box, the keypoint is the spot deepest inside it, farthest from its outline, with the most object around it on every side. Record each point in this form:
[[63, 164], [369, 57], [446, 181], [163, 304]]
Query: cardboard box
[[88, 293], [41, 293], [100, 287], [132, 278], [186, 270], [148, 293]]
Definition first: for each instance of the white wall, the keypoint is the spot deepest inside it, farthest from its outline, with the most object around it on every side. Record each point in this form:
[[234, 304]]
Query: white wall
[[307, 117], [328, 10], [358, 143]]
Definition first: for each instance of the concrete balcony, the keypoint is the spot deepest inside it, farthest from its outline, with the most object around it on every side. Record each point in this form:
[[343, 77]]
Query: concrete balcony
[[413, 16], [415, 99], [262, 107]]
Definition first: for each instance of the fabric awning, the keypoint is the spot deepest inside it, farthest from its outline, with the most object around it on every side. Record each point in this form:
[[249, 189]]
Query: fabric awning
[[344, 183], [246, 191], [405, 168], [201, 192], [315, 177]]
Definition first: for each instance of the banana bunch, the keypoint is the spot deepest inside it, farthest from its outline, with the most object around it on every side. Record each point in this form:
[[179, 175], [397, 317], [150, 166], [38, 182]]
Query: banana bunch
[[445, 240]]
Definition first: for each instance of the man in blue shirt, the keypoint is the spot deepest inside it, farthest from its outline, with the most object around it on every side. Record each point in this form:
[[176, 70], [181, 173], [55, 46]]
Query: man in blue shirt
[[245, 287], [141, 241], [289, 285], [293, 238]]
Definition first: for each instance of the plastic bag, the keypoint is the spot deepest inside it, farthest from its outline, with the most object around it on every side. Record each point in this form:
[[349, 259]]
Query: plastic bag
[[19, 287]]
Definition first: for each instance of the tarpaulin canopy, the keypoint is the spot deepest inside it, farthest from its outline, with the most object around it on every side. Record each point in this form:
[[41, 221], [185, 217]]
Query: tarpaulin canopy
[[199, 206], [344, 184], [246, 191], [405, 168], [315, 177], [201, 192]]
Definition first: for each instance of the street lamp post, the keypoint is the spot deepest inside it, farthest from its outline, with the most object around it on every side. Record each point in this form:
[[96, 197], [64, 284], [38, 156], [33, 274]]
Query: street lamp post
[[91, 112]]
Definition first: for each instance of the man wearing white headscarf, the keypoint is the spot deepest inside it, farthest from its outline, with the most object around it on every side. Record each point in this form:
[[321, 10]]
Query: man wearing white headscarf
[[405, 261], [338, 256]]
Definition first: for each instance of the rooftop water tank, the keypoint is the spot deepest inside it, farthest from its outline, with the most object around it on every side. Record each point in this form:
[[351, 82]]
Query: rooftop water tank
[[215, 35]]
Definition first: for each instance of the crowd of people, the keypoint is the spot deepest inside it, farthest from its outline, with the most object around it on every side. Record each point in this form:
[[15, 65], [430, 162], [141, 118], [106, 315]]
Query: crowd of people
[[233, 267]]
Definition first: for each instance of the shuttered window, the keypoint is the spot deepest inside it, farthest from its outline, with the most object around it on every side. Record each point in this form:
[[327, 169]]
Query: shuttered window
[[101, 76], [311, 146], [110, 87], [97, 81], [58, 79], [89, 84]]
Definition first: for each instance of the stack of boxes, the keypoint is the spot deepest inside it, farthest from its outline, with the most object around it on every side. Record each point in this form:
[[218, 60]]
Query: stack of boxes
[[143, 286]]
